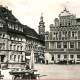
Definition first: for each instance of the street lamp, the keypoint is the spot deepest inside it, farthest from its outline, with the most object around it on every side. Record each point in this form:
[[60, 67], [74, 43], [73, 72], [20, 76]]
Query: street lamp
[[67, 50]]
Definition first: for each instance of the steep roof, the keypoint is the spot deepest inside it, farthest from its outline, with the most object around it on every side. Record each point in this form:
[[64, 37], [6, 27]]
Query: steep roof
[[7, 16], [30, 32]]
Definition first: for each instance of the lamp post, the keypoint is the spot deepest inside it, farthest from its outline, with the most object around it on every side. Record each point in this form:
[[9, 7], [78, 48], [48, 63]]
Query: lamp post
[[67, 50]]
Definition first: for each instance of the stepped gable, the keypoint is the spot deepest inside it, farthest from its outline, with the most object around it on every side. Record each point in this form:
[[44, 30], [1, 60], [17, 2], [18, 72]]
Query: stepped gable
[[65, 12]]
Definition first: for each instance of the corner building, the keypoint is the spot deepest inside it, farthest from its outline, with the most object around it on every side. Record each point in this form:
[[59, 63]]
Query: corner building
[[12, 39], [63, 40]]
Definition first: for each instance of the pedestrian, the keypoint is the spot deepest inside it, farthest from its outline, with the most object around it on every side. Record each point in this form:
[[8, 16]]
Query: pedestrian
[[27, 66]]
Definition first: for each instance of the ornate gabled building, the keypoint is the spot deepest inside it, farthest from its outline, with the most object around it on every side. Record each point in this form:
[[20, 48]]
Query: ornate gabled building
[[63, 40]]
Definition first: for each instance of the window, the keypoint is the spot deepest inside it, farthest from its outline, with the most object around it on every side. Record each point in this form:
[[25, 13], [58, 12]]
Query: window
[[14, 47], [10, 37], [58, 44], [21, 39], [22, 58], [0, 35], [10, 47], [71, 56], [21, 48], [14, 38], [65, 56], [3, 36], [0, 46], [56, 34], [64, 44], [18, 57], [64, 34], [9, 25], [14, 57], [47, 37], [3, 46], [18, 39], [1, 24], [18, 48], [74, 34], [58, 56], [16, 27], [71, 44], [22, 29], [12, 26], [19, 28], [78, 56]]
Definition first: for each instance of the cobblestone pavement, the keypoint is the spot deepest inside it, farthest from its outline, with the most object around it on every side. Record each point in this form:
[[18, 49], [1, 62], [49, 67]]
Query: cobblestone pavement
[[52, 71], [55, 71]]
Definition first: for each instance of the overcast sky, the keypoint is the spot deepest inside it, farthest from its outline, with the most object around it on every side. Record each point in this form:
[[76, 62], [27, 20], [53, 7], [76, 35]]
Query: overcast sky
[[28, 12]]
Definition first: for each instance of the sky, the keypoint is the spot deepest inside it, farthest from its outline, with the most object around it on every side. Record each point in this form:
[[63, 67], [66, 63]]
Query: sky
[[28, 12]]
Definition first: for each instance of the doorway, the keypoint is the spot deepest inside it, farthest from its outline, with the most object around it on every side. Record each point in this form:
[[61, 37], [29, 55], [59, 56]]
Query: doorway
[[2, 58], [52, 58]]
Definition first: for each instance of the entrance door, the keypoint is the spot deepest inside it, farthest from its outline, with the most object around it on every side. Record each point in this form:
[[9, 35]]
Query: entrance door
[[2, 58], [52, 58]]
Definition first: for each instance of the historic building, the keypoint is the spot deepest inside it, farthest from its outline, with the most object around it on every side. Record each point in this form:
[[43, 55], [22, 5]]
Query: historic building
[[33, 41], [63, 40], [17, 40], [12, 39]]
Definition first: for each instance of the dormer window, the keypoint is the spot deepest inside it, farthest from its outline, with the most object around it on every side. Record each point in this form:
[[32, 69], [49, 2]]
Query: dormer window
[[17, 21], [19, 28], [1, 24], [22, 29], [3, 35], [7, 18], [9, 25], [12, 26], [0, 35], [16, 27]]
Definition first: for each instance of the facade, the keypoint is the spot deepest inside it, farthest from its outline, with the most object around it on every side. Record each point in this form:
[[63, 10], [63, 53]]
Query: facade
[[33, 42], [63, 40], [17, 41], [12, 39]]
